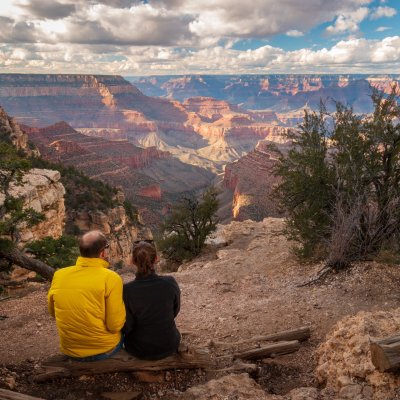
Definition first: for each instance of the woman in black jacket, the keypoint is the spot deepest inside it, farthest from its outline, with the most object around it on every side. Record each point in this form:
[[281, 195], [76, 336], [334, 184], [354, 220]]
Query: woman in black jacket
[[152, 302]]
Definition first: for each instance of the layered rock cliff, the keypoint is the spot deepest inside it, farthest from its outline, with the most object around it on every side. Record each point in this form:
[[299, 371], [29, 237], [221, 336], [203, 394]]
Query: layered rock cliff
[[111, 108], [280, 92], [143, 173], [11, 131], [251, 181], [43, 190], [186, 145]]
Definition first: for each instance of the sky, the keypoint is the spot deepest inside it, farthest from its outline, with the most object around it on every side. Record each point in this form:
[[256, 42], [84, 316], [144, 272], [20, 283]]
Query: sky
[[174, 37]]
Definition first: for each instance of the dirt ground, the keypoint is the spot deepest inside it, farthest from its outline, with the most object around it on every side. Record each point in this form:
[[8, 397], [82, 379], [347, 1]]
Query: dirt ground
[[247, 287]]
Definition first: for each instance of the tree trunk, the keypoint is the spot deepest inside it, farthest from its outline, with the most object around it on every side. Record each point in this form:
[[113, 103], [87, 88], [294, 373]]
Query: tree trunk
[[385, 353], [18, 258], [9, 395], [269, 350]]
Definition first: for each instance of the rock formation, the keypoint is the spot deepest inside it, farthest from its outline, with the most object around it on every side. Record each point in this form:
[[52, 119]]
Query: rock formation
[[110, 107], [345, 361], [41, 190], [251, 181], [279, 92], [10, 130], [143, 173], [242, 387]]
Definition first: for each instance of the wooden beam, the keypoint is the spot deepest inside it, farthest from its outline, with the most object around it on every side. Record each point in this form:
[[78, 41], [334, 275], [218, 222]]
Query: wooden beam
[[10, 395], [269, 350], [385, 353], [61, 366]]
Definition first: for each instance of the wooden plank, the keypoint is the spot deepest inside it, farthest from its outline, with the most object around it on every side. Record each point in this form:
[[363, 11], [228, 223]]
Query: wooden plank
[[61, 366], [270, 350], [385, 353], [300, 334], [10, 395]]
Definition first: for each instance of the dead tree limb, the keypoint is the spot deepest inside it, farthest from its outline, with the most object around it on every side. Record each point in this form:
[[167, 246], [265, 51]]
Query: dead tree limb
[[320, 275], [300, 334], [9, 395], [270, 350], [18, 258], [385, 353]]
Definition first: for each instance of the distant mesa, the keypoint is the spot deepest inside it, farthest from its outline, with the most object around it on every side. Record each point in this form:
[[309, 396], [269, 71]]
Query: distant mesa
[[277, 92]]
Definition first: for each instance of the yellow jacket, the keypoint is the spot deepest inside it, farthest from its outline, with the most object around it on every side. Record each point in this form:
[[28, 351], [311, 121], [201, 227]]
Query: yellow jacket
[[86, 300]]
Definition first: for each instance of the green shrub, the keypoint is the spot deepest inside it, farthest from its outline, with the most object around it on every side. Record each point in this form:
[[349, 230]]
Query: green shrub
[[186, 228], [340, 183], [57, 253]]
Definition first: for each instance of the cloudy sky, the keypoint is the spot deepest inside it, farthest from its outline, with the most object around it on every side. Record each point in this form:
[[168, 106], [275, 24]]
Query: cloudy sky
[[132, 37]]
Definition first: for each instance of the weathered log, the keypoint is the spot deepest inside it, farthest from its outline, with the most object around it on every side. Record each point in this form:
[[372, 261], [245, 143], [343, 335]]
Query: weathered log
[[18, 258], [385, 353], [300, 334], [9, 395], [61, 366], [269, 350], [238, 366], [121, 395]]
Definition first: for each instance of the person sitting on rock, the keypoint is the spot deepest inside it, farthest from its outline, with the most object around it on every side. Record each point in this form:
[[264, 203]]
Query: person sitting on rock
[[152, 302], [86, 301]]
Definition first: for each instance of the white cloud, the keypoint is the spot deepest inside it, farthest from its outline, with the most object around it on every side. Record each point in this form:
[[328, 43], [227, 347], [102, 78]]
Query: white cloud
[[355, 55], [171, 22], [348, 22], [294, 33], [381, 12], [184, 36], [382, 29]]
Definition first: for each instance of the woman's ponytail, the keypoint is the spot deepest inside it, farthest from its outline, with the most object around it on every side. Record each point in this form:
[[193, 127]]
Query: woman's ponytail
[[144, 256]]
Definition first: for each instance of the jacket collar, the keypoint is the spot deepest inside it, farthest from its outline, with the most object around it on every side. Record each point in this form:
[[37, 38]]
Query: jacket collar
[[91, 262], [150, 276]]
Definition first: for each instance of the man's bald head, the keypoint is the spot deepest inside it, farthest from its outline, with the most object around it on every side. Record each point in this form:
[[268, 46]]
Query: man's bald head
[[91, 244]]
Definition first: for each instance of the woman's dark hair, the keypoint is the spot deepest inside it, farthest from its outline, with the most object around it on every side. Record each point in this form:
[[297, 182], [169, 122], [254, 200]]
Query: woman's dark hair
[[144, 256]]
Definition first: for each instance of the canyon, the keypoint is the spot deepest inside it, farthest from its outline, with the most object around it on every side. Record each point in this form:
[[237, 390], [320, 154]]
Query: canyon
[[155, 149], [201, 130], [281, 93]]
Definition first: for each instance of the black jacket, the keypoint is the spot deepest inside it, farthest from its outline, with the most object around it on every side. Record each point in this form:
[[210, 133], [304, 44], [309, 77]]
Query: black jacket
[[152, 302]]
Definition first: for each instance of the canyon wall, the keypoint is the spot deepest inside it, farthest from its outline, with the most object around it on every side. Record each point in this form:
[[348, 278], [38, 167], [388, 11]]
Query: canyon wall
[[43, 190], [279, 92], [251, 181]]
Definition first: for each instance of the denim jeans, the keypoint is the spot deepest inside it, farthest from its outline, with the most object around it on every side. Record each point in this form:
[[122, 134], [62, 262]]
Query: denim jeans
[[102, 356]]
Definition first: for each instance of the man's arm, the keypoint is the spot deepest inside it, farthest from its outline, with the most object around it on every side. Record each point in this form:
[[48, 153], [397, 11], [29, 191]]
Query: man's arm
[[115, 309], [50, 300]]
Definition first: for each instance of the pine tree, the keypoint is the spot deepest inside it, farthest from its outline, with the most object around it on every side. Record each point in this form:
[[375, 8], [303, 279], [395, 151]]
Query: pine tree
[[340, 183], [186, 228]]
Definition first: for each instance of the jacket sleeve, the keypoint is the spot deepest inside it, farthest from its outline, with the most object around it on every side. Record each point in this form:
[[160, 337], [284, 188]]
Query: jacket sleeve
[[115, 309], [130, 319], [50, 299], [177, 300]]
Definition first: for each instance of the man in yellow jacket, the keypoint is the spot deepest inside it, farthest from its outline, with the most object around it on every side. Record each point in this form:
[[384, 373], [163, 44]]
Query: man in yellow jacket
[[86, 301]]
